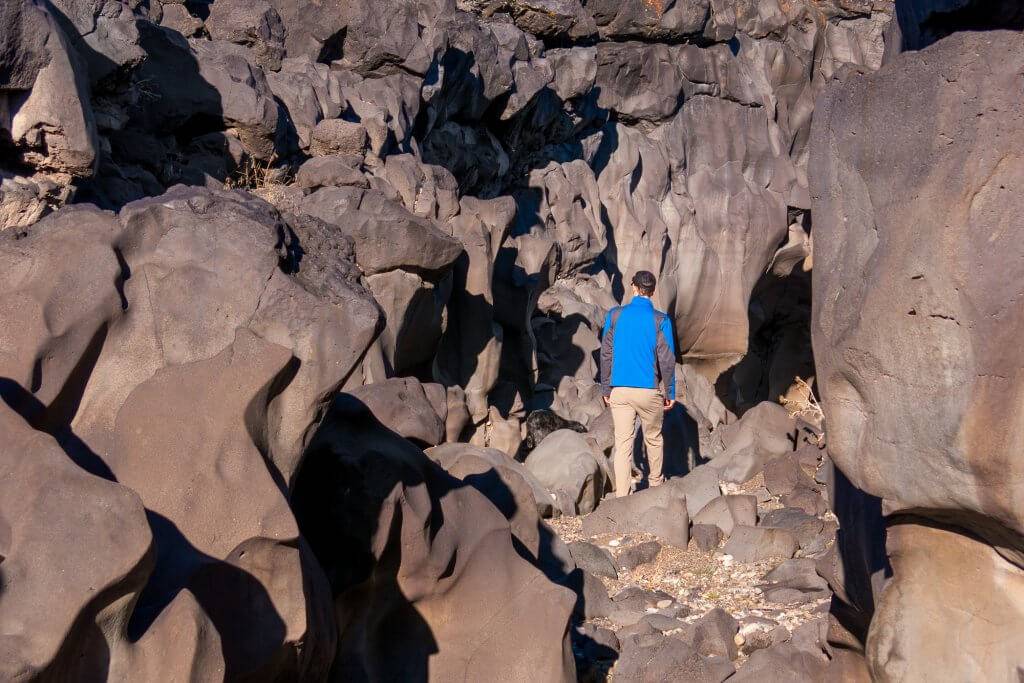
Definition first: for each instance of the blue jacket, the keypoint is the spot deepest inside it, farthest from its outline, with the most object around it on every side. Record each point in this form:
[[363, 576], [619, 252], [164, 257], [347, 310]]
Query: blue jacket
[[637, 349]]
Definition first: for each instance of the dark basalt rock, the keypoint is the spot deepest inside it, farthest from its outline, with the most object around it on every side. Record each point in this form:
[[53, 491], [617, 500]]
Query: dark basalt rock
[[540, 423]]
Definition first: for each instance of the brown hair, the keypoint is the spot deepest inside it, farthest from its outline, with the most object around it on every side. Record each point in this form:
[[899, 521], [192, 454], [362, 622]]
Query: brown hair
[[644, 281]]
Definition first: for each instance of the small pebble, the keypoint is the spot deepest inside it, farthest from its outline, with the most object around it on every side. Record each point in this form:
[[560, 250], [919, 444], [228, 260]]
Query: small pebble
[[614, 543]]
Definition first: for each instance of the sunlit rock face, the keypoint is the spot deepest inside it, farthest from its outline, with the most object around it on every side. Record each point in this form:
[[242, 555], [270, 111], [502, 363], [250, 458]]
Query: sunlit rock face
[[916, 172], [223, 220]]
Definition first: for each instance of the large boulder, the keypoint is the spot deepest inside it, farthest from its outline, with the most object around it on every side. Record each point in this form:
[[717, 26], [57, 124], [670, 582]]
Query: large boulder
[[310, 92], [185, 81], [565, 464], [512, 474], [782, 662], [124, 333], [660, 511], [104, 35], [401, 404], [73, 542], [765, 432], [916, 284], [45, 113], [756, 544], [726, 512], [255, 24], [367, 216], [412, 554]]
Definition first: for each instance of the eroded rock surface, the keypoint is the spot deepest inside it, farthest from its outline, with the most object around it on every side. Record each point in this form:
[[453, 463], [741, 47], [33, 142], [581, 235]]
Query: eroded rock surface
[[915, 171], [332, 234]]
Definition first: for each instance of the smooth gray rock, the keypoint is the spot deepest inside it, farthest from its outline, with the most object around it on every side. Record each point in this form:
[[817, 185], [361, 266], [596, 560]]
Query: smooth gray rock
[[714, 634], [807, 499], [795, 581], [805, 527], [939, 442], [663, 623], [725, 512], [565, 465], [812, 637], [784, 475], [660, 511], [763, 433], [639, 599], [700, 486], [594, 602], [632, 634], [415, 244], [670, 659], [754, 544], [574, 70], [401, 405], [508, 485], [641, 81], [331, 170], [781, 662]]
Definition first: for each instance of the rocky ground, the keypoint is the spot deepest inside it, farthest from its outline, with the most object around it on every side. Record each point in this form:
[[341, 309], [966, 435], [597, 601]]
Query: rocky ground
[[301, 305], [728, 598]]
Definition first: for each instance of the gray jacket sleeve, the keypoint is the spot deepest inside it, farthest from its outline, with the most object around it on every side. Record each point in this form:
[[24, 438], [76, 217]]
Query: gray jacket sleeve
[[666, 354], [607, 350]]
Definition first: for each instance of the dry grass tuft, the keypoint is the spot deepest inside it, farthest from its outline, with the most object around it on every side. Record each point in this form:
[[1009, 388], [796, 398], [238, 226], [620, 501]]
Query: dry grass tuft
[[251, 175], [804, 404]]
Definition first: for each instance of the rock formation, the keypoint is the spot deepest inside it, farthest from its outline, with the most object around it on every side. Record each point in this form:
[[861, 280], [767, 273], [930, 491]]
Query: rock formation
[[302, 303], [559, 144], [916, 171]]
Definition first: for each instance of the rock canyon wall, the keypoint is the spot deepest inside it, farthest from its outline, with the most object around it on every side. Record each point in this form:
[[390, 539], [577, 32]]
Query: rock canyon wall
[[302, 303], [915, 176]]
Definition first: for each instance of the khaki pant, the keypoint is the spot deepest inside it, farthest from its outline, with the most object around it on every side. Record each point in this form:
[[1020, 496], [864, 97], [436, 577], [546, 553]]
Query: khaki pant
[[626, 403]]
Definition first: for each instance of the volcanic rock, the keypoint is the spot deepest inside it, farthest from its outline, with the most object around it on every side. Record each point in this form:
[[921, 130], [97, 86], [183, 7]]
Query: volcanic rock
[[754, 544], [660, 511], [566, 467], [593, 559], [725, 512]]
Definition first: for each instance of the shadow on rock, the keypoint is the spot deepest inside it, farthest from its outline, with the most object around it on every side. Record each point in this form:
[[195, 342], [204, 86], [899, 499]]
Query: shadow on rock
[[426, 578]]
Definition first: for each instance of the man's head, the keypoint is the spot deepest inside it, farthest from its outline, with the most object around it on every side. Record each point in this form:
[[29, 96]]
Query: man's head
[[643, 283]]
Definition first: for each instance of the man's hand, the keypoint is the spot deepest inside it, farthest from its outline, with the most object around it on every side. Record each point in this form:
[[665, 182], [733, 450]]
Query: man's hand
[[668, 404]]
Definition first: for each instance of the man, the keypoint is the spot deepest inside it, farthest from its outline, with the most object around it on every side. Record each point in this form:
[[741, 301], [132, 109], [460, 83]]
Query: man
[[638, 363]]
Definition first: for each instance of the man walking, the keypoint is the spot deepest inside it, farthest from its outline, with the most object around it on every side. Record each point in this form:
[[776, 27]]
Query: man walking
[[638, 363]]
